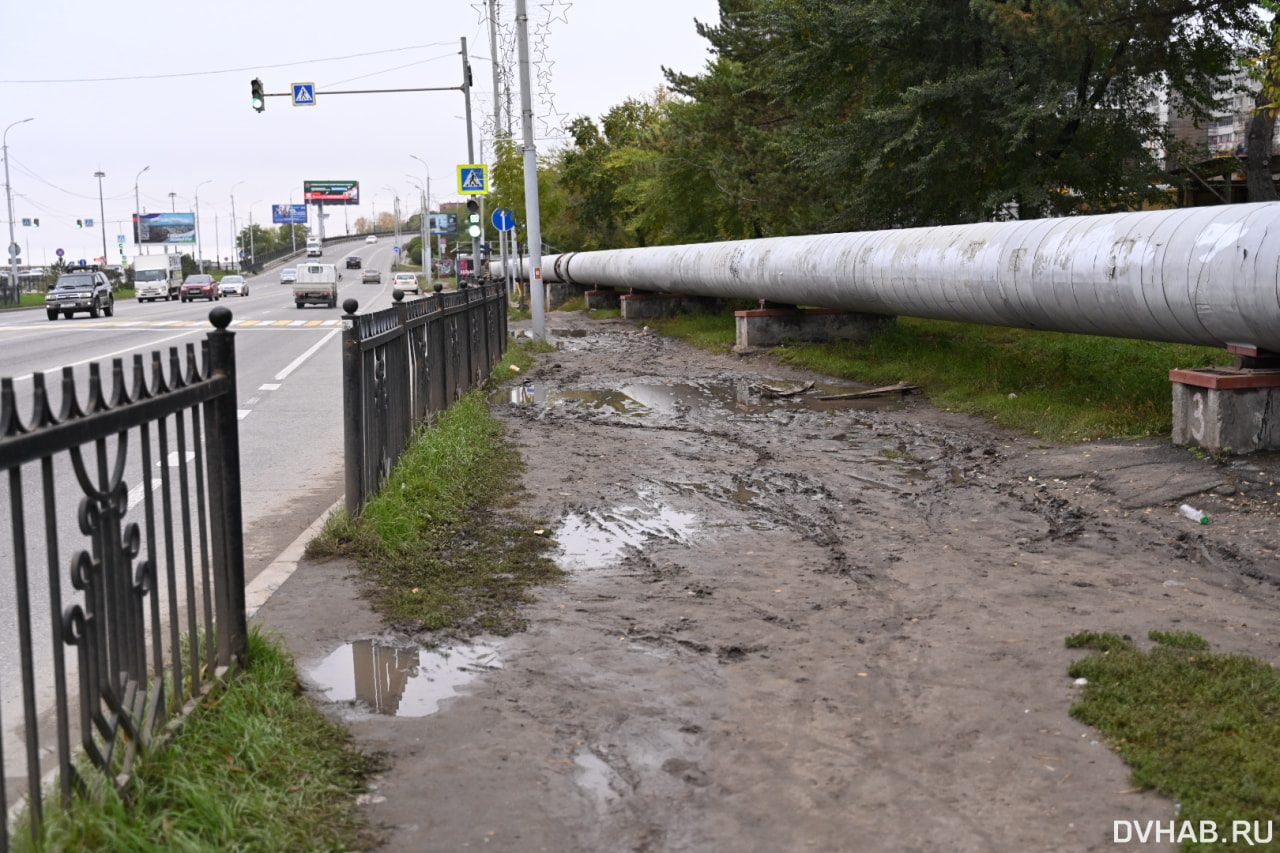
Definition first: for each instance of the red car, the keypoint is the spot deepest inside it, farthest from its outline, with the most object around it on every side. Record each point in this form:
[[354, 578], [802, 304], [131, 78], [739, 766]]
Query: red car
[[199, 286]]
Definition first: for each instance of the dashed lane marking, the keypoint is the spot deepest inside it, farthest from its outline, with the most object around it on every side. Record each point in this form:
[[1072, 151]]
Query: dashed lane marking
[[172, 324]]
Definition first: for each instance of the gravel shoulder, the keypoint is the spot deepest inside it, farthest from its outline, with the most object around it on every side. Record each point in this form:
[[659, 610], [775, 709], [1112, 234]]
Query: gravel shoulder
[[799, 626]]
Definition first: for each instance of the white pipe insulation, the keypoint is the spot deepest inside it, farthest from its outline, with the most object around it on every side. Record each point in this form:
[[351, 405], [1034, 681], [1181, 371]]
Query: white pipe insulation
[[1203, 275]]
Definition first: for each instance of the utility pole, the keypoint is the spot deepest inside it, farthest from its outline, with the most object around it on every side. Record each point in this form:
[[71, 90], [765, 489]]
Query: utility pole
[[471, 158], [12, 287], [102, 212], [497, 72], [532, 212]]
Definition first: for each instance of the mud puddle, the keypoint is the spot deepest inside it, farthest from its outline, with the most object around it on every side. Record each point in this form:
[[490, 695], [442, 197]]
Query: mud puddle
[[601, 538], [400, 681], [640, 399]]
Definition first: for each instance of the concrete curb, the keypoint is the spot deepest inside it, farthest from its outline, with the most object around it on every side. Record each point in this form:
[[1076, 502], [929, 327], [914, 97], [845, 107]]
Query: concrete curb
[[270, 579]]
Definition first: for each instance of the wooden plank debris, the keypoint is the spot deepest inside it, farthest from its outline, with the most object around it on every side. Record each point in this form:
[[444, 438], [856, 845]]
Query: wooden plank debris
[[896, 388]]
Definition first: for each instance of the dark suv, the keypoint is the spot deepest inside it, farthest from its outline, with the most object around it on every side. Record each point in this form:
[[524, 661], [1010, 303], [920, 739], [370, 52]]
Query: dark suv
[[353, 262], [84, 289]]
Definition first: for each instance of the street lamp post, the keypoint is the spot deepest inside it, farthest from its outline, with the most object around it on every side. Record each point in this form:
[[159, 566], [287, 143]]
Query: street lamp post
[[199, 245], [252, 259], [137, 212], [426, 228], [102, 212], [8, 192], [235, 236], [396, 219]]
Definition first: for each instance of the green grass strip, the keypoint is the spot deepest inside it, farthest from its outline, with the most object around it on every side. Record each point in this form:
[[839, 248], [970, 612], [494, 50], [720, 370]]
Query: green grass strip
[[1061, 387], [438, 545], [256, 768], [1200, 728]]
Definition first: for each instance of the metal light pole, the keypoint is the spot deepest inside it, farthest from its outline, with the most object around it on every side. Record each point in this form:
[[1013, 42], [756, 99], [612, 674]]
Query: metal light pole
[[395, 220], [423, 231], [102, 213], [426, 229], [173, 202], [8, 193], [252, 258], [137, 212], [199, 249], [235, 236], [471, 158], [532, 212]]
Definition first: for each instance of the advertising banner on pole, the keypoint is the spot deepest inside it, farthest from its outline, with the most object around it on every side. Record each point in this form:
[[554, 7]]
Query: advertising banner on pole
[[444, 223], [164, 228], [289, 214], [331, 192]]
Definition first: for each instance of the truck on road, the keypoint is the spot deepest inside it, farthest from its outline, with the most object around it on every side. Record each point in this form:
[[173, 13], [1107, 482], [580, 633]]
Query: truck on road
[[314, 249], [157, 277], [317, 284]]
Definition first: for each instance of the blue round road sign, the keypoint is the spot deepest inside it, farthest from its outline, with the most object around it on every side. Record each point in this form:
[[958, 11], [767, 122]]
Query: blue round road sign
[[59, 253], [503, 219]]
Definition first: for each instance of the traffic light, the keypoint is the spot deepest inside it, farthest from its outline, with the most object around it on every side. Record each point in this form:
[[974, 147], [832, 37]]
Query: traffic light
[[37, 222], [473, 217], [79, 223], [259, 100]]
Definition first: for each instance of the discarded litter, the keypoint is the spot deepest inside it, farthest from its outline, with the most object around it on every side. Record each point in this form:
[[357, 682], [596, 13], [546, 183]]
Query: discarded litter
[[1194, 514], [1081, 682]]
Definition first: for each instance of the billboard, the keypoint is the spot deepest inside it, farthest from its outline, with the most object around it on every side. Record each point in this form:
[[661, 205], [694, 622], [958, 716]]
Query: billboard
[[331, 192], [444, 223], [164, 228], [289, 214]]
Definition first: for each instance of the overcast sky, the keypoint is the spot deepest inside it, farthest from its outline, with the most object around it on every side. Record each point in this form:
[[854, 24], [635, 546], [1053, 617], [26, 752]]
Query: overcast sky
[[122, 87]]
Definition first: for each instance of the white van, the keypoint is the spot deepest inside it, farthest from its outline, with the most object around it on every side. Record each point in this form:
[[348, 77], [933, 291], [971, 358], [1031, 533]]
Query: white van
[[317, 284], [314, 249]]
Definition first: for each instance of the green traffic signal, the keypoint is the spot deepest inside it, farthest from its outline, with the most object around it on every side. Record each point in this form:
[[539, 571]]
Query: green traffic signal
[[259, 100]]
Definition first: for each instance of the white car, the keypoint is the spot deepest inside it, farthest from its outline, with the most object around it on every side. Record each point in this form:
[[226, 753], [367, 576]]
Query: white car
[[233, 285], [372, 238], [405, 282], [289, 275]]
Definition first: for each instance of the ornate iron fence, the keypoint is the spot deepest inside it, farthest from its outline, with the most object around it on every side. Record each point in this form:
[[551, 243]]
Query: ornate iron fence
[[125, 631], [405, 362]]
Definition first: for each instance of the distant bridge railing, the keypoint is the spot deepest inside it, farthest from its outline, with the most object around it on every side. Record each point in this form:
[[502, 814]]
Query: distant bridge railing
[[123, 583], [405, 362]]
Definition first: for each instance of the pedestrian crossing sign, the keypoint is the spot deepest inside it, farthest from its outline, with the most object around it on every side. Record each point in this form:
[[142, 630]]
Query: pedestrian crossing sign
[[473, 179]]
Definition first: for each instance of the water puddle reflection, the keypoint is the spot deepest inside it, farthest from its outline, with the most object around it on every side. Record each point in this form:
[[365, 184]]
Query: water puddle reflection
[[596, 539], [638, 399], [400, 681]]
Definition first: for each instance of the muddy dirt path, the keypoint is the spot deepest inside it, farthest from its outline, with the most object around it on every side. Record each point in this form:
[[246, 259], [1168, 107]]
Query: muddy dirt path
[[788, 626]]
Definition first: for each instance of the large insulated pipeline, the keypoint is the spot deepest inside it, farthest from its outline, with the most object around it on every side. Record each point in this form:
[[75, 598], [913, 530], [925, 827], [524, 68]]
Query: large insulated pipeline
[[1203, 275]]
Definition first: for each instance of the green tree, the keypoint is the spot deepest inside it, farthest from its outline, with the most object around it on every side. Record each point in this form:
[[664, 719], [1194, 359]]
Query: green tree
[[727, 169], [963, 110], [559, 229]]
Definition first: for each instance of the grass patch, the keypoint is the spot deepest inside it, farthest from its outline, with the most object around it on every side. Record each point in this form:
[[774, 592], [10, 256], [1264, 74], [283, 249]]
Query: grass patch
[[438, 544], [1062, 387], [711, 332], [256, 768], [576, 303], [1198, 727]]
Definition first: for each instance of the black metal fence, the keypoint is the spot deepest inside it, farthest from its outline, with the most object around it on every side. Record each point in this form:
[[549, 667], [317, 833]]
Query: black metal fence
[[405, 362], [127, 604]]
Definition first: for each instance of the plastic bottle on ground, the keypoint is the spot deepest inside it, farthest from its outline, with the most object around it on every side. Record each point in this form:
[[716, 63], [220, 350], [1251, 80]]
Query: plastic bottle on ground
[[1194, 514]]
